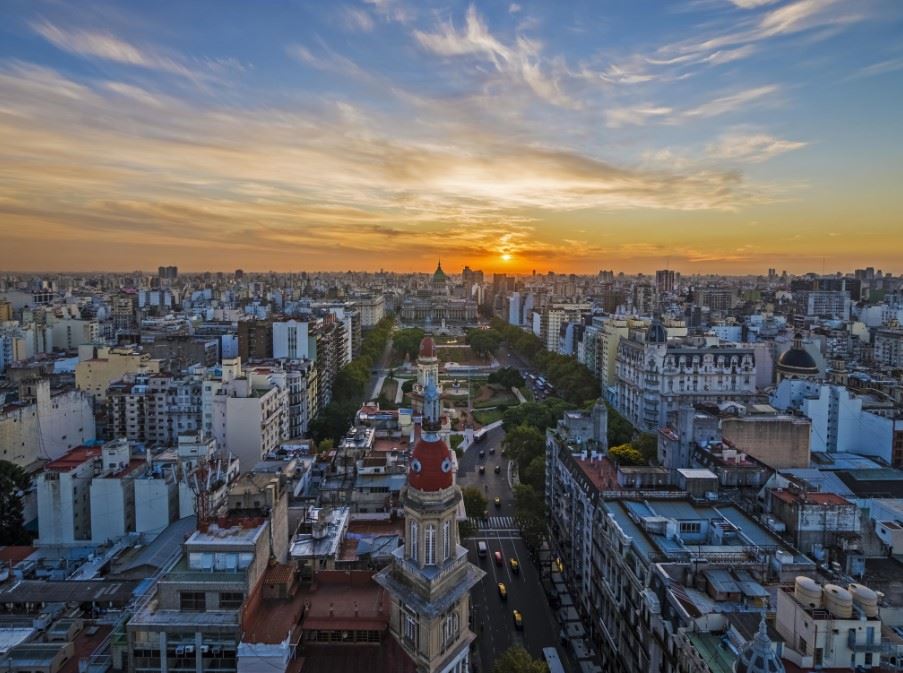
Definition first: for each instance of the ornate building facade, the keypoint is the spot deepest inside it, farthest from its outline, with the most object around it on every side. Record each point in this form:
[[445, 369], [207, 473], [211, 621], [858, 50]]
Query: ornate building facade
[[430, 578], [436, 305]]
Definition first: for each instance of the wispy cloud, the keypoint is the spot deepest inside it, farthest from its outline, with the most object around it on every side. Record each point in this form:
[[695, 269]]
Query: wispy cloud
[[729, 103], [750, 147], [358, 20], [879, 68], [519, 61], [102, 45]]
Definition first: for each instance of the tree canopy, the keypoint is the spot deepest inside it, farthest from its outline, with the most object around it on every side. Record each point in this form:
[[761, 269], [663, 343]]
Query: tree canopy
[[406, 342], [517, 660], [474, 501], [523, 444], [484, 341], [508, 377], [13, 481], [626, 454], [530, 512]]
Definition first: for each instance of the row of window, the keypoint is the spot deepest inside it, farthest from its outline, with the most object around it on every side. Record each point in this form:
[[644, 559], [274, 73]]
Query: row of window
[[429, 542]]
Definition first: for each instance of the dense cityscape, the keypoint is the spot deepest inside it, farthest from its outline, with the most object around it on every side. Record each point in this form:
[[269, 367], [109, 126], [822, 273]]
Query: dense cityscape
[[451, 336], [330, 471]]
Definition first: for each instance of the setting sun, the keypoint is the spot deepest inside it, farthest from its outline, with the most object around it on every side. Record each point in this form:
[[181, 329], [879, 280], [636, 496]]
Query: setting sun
[[506, 257]]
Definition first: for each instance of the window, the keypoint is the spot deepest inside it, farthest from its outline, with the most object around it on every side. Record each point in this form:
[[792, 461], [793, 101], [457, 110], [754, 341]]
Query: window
[[412, 541], [429, 550], [690, 526], [231, 600], [410, 628], [446, 535], [192, 601]]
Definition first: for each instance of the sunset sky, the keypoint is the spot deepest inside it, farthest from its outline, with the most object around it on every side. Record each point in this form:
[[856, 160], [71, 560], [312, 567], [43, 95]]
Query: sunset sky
[[704, 135]]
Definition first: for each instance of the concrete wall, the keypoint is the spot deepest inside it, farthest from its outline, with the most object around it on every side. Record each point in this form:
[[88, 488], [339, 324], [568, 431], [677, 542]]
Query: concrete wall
[[112, 508], [47, 429], [779, 442], [156, 504]]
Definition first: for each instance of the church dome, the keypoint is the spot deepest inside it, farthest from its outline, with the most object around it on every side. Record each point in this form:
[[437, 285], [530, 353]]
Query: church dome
[[797, 361], [430, 468], [427, 347]]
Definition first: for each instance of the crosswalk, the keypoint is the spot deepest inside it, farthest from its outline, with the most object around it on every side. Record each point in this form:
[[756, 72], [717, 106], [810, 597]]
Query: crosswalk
[[494, 523]]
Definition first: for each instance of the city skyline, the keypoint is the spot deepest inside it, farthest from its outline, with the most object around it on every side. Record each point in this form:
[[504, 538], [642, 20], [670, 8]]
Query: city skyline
[[715, 136]]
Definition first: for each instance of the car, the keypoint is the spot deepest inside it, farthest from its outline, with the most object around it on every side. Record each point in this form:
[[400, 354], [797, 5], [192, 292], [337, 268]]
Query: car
[[503, 453], [485, 515], [482, 454], [498, 469], [518, 620], [492, 451], [498, 558], [498, 501], [503, 591], [515, 565], [481, 548], [482, 470]]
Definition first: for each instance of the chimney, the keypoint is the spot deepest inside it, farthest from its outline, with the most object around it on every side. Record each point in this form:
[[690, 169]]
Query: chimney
[[331, 610]]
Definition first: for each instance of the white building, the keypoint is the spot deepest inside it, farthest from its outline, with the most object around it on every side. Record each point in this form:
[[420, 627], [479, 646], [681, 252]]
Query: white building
[[829, 626], [249, 418], [44, 424], [64, 497], [656, 377], [372, 308], [70, 333], [113, 492], [839, 422], [292, 340]]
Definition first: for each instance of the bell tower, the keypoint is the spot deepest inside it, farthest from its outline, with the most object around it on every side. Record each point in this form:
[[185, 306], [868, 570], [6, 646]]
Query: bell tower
[[430, 577]]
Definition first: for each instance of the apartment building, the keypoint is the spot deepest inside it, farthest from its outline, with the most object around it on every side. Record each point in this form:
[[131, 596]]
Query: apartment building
[[155, 408], [99, 366]]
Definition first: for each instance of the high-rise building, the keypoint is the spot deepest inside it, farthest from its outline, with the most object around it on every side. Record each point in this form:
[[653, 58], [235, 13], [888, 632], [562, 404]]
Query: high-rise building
[[666, 280]]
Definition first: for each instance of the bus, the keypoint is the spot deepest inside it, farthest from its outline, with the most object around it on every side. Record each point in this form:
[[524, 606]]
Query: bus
[[480, 435], [553, 661]]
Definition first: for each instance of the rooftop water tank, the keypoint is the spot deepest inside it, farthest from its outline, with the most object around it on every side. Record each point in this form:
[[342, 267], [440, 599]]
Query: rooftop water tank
[[807, 591], [838, 601], [865, 599]]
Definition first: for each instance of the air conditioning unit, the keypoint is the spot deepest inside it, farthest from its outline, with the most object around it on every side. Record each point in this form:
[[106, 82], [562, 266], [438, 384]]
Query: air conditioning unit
[[205, 649], [189, 649], [180, 651]]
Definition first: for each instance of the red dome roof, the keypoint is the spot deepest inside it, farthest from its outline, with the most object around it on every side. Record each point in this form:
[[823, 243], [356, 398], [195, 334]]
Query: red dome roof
[[431, 465], [427, 347]]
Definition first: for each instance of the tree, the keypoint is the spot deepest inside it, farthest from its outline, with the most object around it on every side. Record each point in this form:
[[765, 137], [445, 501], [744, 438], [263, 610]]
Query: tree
[[508, 377], [474, 502], [620, 431], [626, 454], [647, 444], [523, 444], [407, 341], [530, 511], [484, 341], [326, 445], [534, 474], [517, 660], [13, 481]]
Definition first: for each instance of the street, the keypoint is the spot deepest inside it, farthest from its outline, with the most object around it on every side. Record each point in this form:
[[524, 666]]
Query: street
[[492, 616]]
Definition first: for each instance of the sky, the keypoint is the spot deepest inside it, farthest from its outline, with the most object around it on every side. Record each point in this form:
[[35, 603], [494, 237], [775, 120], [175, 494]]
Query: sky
[[707, 136]]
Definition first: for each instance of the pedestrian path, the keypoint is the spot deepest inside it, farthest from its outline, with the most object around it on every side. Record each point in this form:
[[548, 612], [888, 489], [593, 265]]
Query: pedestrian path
[[494, 523]]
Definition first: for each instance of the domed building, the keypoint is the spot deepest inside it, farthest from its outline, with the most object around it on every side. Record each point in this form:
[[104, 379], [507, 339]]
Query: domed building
[[758, 656], [430, 578], [437, 303], [796, 363]]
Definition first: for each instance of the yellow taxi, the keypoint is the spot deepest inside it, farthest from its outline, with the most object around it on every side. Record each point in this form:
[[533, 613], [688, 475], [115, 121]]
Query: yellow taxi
[[503, 591], [498, 501], [518, 620], [515, 565]]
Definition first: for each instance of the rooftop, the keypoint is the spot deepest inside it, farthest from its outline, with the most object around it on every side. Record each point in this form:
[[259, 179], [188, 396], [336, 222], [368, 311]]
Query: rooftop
[[822, 499], [74, 458], [348, 601]]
